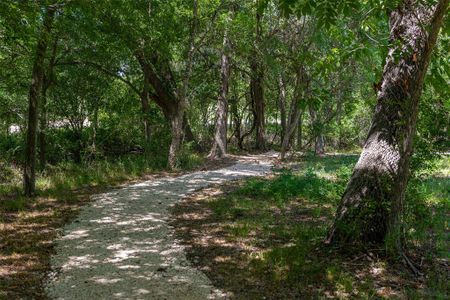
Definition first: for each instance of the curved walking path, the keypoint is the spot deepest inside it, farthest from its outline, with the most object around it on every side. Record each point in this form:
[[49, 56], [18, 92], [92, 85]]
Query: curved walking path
[[121, 246]]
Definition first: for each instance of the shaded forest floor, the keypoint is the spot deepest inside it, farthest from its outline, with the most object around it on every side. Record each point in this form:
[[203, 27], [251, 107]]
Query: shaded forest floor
[[28, 227], [263, 238]]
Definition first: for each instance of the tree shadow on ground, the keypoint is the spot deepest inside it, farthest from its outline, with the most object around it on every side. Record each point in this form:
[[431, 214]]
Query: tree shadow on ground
[[263, 239]]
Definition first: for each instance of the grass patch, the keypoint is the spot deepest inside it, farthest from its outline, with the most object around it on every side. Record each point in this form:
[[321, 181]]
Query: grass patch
[[264, 239]]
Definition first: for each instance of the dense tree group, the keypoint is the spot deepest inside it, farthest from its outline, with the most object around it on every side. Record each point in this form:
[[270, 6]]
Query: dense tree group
[[84, 80]]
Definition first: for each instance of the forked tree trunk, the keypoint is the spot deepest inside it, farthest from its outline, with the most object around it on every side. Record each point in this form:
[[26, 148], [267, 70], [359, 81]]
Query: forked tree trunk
[[294, 115], [219, 148], [29, 175], [371, 207]]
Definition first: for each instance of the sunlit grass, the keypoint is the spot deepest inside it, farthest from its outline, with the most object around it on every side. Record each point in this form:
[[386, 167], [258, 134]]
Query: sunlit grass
[[57, 180], [284, 220]]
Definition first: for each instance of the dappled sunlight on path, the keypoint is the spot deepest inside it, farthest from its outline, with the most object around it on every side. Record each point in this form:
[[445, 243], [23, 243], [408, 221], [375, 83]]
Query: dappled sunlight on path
[[121, 246]]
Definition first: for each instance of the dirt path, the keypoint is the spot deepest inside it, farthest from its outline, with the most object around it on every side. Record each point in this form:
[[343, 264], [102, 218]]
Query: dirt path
[[121, 246]]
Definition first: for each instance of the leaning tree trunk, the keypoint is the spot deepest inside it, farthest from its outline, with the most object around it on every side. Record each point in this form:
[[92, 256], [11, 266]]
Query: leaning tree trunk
[[371, 207], [219, 148], [29, 175]]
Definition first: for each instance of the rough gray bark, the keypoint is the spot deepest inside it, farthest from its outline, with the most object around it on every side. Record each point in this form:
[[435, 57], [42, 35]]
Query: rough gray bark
[[219, 148], [29, 175], [371, 207]]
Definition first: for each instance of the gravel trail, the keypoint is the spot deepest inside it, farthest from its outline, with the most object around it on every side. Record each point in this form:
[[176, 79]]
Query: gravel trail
[[121, 246]]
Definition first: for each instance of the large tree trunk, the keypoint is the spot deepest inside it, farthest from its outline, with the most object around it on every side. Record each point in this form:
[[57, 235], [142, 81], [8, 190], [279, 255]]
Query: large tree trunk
[[29, 175], [176, 126], [371, 207], [219, 148], [259, 108], [173, 103]]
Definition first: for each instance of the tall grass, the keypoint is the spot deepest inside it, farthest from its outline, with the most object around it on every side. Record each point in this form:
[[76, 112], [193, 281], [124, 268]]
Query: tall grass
[[68, 176]]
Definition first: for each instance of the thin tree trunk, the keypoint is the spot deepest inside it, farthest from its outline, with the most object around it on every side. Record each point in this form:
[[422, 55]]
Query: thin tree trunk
[[282, 106], [145, 106], [94, 130], [257, 90], [29, 175], [319, 143], [43, 118], [219, 148], [371, 207], [300, 131], [236, 119], [42, 130]]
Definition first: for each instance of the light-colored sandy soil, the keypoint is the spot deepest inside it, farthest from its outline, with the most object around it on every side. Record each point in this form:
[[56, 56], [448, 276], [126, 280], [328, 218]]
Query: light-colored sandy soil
[[121, 246]]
